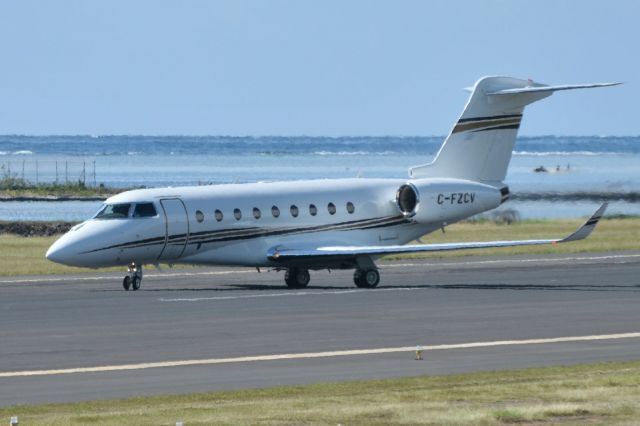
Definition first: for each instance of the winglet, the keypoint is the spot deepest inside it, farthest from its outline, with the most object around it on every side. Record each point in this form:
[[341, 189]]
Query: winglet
[[588, 227]]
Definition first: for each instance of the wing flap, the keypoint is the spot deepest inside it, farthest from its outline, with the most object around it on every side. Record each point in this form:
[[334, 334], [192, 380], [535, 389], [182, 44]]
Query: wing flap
[[284, 254]]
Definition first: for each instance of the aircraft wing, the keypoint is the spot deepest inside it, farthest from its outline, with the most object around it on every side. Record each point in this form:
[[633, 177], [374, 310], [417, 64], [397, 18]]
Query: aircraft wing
[[285, 254]]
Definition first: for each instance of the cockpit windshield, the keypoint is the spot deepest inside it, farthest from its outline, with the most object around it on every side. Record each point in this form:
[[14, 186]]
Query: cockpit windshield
[[114, 211], [144, 210], [121, 211]]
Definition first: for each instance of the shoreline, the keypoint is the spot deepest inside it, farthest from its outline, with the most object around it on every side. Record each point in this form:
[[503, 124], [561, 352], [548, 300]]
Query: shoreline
[[35, 228], [53, 198]]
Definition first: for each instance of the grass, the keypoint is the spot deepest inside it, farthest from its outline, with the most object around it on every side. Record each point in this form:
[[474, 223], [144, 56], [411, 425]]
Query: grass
[[567, 395], [25, 255]]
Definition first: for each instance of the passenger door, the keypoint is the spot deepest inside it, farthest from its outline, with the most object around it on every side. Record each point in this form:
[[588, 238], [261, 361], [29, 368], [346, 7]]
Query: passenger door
[[177, 228]]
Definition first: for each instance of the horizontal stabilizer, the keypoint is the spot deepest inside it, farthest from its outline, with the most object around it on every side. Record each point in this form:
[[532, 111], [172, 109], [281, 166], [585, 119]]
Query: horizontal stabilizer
[[542, 88], [284, 254]]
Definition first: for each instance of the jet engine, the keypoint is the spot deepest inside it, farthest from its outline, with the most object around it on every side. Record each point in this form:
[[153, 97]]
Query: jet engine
[[446, 200]]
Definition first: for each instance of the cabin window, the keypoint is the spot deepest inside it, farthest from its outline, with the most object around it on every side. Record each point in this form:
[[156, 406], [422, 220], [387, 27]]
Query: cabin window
[[256, 213], [350, 207], [294, 210], [199, 216], [219, 216], [275, 211], [313, 210], [144, 210], [237, 214], [114, 211], [332, 208]]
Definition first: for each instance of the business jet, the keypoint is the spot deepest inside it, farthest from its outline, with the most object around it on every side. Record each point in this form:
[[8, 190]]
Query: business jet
[[321, 224]]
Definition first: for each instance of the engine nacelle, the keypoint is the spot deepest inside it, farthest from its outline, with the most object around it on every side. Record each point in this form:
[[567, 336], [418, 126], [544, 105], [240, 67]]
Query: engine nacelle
[[446, 200]]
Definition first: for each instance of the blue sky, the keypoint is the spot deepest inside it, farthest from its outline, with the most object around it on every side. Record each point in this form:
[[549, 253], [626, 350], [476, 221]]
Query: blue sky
[[308, 67]]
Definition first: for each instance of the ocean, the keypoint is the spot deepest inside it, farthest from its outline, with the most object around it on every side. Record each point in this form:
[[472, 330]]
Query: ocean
[[574, 164]]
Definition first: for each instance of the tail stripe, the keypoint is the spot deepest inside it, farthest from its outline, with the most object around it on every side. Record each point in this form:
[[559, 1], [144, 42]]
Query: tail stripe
[[487, 124], [510, 126], [495, 117]]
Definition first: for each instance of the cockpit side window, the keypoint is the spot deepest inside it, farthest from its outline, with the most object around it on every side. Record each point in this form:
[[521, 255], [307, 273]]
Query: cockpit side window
[[114, 211], [144, 210]]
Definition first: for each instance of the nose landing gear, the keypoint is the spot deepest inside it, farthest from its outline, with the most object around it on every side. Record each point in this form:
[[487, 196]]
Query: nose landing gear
[[134, 279]]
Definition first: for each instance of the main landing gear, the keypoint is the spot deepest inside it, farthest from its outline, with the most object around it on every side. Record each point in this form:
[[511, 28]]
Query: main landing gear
[[363, 278], [134, 278], [297, 277], [366, 278]]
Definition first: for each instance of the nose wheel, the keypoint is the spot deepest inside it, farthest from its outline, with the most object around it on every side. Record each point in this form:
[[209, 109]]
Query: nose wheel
[[134, 278]]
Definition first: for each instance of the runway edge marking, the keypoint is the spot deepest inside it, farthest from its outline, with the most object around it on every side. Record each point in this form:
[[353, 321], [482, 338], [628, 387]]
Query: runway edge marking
[[308, 355]]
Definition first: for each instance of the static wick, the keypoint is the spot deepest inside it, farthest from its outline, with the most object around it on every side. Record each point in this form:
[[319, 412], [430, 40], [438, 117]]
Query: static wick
[[419, 350]]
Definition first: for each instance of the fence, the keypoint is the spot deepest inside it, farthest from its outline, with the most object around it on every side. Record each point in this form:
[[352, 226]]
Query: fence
[[50, 171]]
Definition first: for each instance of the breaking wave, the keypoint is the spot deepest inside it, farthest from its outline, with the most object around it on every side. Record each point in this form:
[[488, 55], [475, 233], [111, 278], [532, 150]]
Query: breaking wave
[[562, 153], [348, 153], [21, 152]]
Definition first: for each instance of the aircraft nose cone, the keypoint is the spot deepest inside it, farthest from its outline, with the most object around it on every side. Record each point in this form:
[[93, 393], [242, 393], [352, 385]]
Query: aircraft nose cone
[[60, 253], [66, 251]]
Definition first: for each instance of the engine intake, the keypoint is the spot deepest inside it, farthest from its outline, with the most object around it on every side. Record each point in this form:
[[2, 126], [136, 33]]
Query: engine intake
[[407, 199]]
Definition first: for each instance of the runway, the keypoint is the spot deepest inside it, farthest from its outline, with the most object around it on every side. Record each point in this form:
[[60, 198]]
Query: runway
[[81, 337]]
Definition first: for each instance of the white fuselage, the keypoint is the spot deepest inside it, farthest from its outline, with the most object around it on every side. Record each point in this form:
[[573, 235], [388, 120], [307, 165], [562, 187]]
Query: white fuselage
[[303, 225], [187, 227]]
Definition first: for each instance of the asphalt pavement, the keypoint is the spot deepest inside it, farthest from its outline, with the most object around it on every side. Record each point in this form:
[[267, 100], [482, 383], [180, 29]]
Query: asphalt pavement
[[82, 337]]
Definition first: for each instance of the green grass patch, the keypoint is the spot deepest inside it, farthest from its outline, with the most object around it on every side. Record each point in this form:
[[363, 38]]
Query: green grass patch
[[573, 395], [25, 255]]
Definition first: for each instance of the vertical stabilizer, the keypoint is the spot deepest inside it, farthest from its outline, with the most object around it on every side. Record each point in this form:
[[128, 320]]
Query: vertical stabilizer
[[480, 144]]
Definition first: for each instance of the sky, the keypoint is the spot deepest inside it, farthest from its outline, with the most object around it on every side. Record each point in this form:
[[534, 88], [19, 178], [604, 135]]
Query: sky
[[301, 67]]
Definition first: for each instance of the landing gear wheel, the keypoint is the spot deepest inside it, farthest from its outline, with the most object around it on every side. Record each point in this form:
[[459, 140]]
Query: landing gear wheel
[[366, 278], [297, 277], [135, 283], [133, 279], [126, 282]]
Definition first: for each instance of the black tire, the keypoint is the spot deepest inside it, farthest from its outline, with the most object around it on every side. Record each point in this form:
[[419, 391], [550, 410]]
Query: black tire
[[369, 278], [135, 283], [297, 278], [126, 282]]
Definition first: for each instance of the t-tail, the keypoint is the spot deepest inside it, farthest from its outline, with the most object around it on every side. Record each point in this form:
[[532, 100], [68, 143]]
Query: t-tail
[[480, 144]]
